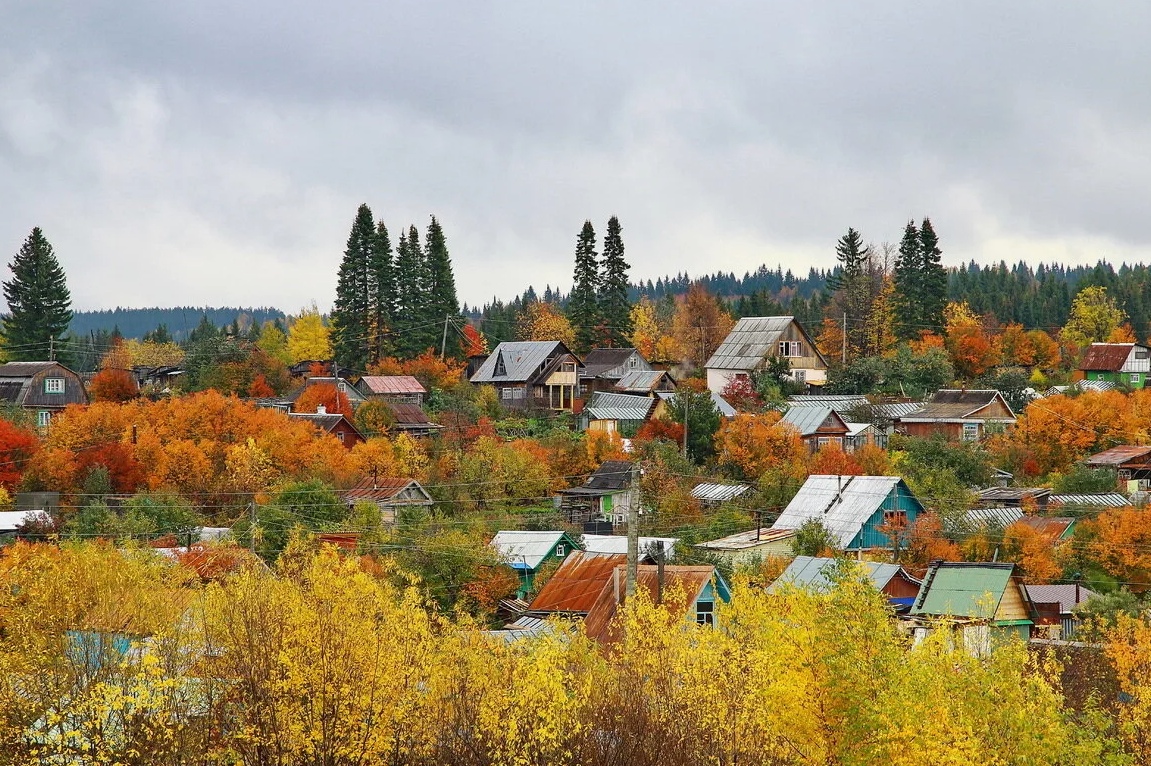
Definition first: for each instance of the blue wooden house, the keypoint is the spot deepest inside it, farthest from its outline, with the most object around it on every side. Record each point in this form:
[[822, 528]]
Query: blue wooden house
[[527, 551], [853, 508]]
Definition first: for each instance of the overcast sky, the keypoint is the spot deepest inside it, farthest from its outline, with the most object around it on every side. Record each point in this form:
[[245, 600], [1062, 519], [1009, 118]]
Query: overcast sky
[[215, 152]]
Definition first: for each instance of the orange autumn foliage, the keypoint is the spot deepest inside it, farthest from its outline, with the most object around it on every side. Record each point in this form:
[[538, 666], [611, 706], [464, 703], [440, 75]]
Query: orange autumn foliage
[[832, 460], [660, 428], [873, 461], [603, 446], [474, 343], [754, 444], [17, 445], [1033, 551], [426, 368], [972, 349], [259, 389], [927, 341], [926, 543], [1122, 334], [324, 395], [113, 385], [1121, 544]]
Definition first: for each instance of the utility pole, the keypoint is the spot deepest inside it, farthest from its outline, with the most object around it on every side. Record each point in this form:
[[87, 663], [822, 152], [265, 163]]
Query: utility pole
[[660, 555], [685, 401], [632, 547], [845, 338], [51, 348], [444, 340], [252, 526]]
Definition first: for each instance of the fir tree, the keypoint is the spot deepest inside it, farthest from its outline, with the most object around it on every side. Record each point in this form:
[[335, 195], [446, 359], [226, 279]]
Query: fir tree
[[614, 306], [908, 319], [932, 279], [442, 302], [411, 333], [39, 304], [854, 289], [583, 304], [351, 334], [381, 293]]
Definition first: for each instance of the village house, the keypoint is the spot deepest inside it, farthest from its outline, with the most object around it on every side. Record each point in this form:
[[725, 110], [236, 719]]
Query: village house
[[752, 546], [645, 383], [526, 374], [817, 426], [1131, 464], [984, 604], [609, 494], [390, 495], [817, 573], [1055, 609], [411, 419], [854, 509], [958, 414], [343, 386], [333, 423], [603, 368], [45, 388], [615, 413], [1018, 497], [690, 591], [527, 552], [1126, 364], [755, 340], [711, 495], [572, 589], [400, 389]]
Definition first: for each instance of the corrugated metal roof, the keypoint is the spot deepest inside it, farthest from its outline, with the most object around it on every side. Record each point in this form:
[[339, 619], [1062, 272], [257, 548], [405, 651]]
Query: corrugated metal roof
[[743, 540], [1003, 517], [686, 580], [721, 405], [1107, 357], [1118, 455], [25, 369], [1051, 527], [393, 384], [842, 503], [718, 493], [383, 490], [640, 380], [524, 550], [1006, 494], [1067, 595], [603, 360], [618, 544], [605, 405], [1083, 385], [837, 402], [894, 410], [813, 572], [576, 585], [1093, 499], [958, 589], [524, 628], [807, 420], [408, 414], [521, 360], [955, 404], [749, 342]]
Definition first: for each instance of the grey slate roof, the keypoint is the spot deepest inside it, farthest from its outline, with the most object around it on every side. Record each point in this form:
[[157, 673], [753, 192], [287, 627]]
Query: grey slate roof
[[522, 549], [813, 572], [749, 343], [837, 402], [721, 405], [639, 380], [807, 420], [842, 503], [1105, 499], [981, 517], [718, 493], [1083, 385], [602, 360], [605, 405], [521, 360]]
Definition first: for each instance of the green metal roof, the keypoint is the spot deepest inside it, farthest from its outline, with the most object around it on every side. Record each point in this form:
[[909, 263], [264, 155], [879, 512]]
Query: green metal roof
[[963, 590]]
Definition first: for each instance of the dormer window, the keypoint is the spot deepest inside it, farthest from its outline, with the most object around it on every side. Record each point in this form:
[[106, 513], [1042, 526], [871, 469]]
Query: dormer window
[[53, 385], [501, 370]]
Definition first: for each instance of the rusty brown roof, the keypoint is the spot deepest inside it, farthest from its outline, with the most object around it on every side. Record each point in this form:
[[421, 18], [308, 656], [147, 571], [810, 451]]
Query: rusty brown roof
[[408, 414], [379, 489], [576, 585], [1109, 357], [682, 586], [1118, 455], [955, 404], [1051, 527], [392, 384]]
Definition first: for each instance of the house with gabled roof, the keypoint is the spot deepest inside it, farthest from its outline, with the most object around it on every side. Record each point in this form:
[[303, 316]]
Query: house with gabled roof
[[751, 545], [604, 367], [755, 340], [984, 604], [645, 382], [854, 509], [527, 374], [1127, 364], [608, 494], [958, 414], [333, 423], [402, 389], [528, 551], [818, 426], [614, 413], [691, 591], [1130, 462], [818, 573], [390, 494], [45, 388]]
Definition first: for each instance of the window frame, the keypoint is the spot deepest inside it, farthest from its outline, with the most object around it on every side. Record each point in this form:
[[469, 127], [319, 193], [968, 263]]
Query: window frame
[[43, 418], [974, 436], [51, 389], [705, 616], [561, 550]]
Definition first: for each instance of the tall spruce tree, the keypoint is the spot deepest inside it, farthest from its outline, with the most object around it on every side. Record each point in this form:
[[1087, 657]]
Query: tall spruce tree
[[932, 279], [352, 335], [853, 287], [39, 304], [443, 305], [908, 287], [614, 306], [381, 294], [583, 303], [411, 333]]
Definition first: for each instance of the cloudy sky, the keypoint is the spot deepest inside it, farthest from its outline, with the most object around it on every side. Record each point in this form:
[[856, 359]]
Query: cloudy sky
[[215, 152]]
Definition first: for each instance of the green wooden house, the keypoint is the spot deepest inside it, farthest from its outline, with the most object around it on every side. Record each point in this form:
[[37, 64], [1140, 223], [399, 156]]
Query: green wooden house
[[985, 604], [527, 552], [1127, 364]]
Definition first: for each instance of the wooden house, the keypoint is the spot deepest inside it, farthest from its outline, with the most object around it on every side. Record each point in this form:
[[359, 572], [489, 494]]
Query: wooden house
[[615, 413], [1131, 464], [984, 604], [958, 414], [45, 388], [603, 368], [692, 591], [390, 495], [343, 386], [401, 389], [1127, 364], [411, 419], [752, 545], [527, 552], [820, 573], [854, 509], [1055, 609], [817, 426], [645, 383], [527, 374], [755, 340], [609, 494], [332, 423]]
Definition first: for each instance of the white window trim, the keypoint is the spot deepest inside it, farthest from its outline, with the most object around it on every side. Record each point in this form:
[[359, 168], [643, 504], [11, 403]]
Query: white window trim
[[54, 385], [561, 550], [43, 418], [707, 616]]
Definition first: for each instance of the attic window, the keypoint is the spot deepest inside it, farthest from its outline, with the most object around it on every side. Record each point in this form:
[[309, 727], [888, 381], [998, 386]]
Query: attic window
[[632, 361], [53, 385], [705, 612], [560, 551], [500, 368]]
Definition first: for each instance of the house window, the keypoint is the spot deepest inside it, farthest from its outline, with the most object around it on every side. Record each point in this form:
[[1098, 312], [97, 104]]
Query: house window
[[1124, 474], [53, 385], [1141, 354], [632, 361], [517, 393], [1134, 378], [790, 348], [822, 441], [560, 551], [895, 518], [970, 432], [704, 612], [342, 387], [505, 393], [800, 376], [43, 418], [340, 435]]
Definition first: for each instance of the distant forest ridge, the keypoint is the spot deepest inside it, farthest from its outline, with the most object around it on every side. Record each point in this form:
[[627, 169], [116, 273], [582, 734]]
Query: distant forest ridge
[[181, 320], [1034, 296]]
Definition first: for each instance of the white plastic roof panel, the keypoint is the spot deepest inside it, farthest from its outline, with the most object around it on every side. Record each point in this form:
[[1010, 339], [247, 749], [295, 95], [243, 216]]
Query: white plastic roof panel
[[524, 549], [842, 503]]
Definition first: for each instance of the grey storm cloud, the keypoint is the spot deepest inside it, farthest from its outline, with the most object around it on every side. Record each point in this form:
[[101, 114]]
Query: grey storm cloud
[[215, 153]]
